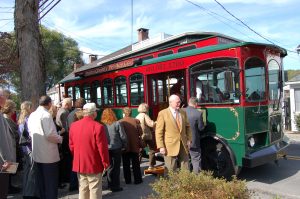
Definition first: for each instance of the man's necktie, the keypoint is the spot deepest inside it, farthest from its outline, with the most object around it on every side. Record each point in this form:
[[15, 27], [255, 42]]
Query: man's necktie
[[178, 120]]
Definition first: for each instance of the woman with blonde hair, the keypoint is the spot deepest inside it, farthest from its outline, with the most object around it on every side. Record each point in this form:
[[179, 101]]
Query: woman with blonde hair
[[30, 178], [147, 137], [117, 140]]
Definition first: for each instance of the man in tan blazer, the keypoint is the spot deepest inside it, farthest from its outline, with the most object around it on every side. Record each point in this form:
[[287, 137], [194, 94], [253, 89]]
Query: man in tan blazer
[[173, 135]]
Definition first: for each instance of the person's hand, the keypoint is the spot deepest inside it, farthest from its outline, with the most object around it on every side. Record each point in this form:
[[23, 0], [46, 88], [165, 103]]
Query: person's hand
[[5, 166], [62, 131], [163, 151]]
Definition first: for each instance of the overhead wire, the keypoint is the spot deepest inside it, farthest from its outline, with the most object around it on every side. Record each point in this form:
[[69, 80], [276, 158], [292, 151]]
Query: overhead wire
[[79, 38], [246, 25], [84, 40], [220, 18]]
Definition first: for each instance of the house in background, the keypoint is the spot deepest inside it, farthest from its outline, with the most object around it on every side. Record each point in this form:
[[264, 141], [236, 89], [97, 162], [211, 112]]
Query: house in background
[[292, 95], [53, 93]]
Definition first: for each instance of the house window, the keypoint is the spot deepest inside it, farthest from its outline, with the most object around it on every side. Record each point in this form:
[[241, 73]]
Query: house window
[[297, 100], [136, 89], [121, 91], [108, 92]]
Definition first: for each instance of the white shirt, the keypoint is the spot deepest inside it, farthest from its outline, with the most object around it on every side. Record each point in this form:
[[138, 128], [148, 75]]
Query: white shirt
[[44, 136], [174, 111]]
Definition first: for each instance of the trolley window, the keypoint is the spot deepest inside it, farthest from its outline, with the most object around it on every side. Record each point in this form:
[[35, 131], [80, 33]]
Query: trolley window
[[186, 48], [255, 79], [121, 91], [87, 93], [165, 53], [96, 93], [70, 92], [136, 89], [108, 92], [77, 92], [216, 81]]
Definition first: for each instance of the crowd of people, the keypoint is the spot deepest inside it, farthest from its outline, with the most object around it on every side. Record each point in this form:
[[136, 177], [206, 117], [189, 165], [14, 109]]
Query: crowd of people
[[55, 146]]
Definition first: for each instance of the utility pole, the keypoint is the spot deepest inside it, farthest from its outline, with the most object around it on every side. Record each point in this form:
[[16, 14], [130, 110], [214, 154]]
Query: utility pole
[[27, 15], [30, 52]]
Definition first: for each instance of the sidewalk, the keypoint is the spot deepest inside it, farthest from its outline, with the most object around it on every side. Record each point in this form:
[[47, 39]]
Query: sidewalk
[[293, 136]]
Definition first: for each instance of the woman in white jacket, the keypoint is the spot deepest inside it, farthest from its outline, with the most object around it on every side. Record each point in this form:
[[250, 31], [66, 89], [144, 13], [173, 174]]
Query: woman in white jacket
[[148, 138]]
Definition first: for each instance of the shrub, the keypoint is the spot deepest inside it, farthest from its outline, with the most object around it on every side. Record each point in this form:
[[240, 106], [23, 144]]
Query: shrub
[[187, 185], [297, 121]]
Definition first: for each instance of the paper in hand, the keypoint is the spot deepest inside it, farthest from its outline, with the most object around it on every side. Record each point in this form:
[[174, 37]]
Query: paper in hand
[[12, 168]]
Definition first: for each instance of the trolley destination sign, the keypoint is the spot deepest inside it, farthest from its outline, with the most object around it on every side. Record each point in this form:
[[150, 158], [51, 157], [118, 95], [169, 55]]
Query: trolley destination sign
[[110, 67]]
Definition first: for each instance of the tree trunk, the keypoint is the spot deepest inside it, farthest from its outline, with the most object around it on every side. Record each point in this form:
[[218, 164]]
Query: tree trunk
[[30, 50]]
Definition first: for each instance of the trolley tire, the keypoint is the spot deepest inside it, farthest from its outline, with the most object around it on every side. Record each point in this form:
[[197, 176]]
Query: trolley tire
[[219, 162]]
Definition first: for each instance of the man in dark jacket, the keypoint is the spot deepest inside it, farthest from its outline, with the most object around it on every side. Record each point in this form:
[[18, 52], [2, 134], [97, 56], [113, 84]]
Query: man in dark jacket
[[196, 123]]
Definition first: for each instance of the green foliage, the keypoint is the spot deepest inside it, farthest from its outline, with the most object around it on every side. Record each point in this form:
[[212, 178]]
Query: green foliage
[[291, 74], [297, 121], [61, 53], [184, 184]]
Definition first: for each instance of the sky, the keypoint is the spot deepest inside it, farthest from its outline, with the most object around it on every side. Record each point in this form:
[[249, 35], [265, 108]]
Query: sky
[[104, 26]]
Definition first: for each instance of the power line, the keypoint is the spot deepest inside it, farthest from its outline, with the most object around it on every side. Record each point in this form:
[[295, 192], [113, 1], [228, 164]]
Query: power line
[[6, 24], [244, 23], [251, 29], [84, 40], [6, 19], [75, 36], [219, 18]]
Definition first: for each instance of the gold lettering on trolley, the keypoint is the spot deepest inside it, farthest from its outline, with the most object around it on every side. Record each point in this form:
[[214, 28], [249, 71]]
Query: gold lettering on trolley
[[110, 67]]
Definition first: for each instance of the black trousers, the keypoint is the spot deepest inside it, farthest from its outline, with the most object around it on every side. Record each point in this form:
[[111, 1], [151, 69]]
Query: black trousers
[[49, 176], [133, 158], [4, 181], [113, 172]]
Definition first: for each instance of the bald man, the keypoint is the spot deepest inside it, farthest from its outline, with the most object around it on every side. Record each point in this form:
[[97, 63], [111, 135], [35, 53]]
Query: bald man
[[173, 135]]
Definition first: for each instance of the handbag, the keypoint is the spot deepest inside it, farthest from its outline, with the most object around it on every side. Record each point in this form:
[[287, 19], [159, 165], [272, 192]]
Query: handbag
[[147, 133], [24, 137]]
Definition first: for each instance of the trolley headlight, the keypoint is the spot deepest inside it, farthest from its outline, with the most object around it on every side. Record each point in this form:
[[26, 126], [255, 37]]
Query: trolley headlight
[[251, 141]]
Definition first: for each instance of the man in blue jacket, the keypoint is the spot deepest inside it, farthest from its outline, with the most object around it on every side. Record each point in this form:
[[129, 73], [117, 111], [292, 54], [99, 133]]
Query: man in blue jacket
[[196, 125]]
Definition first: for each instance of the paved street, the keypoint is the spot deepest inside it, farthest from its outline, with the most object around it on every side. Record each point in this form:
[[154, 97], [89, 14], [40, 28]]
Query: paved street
[[268, 181]]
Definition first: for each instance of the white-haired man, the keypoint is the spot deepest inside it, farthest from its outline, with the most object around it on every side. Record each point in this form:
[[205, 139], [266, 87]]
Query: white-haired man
[[90, 152], [173, 135]]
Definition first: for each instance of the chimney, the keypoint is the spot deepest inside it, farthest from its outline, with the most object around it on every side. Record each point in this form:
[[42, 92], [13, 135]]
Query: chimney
[[143, 34], [77, 65], [92, 58]]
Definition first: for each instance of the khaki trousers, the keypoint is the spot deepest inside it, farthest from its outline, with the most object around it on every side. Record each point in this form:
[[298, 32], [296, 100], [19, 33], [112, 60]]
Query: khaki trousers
[[90, 186], [172, 162]]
